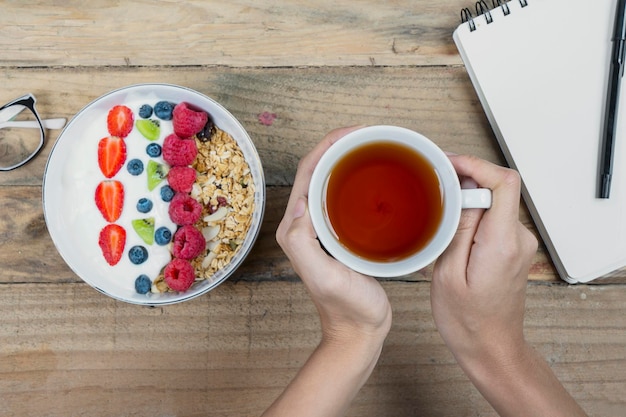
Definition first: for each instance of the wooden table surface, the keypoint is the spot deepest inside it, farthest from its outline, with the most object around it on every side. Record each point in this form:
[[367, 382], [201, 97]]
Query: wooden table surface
[[67, 350]]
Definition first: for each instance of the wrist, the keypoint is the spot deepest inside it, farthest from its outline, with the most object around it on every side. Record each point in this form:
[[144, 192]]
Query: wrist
[[495, 361], [363, 338], [331, 377], [517, 381], [364, 347]]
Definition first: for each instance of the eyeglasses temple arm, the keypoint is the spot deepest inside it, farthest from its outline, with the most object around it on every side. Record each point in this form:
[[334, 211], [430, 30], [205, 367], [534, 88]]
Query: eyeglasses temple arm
[[57, 123], [47, 123]]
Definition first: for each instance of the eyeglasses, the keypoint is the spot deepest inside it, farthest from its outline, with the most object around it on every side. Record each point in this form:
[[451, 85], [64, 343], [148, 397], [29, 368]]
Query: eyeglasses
[[22, 132]]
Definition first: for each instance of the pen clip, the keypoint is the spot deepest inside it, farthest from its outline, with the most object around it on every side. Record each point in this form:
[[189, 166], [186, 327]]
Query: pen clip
[[620, 55]]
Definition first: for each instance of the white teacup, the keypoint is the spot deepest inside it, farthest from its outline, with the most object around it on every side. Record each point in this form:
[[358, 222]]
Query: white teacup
[[452, 198]]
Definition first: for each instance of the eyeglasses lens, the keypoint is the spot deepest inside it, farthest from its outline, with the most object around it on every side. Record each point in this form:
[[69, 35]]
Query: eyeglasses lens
[[20, 135]]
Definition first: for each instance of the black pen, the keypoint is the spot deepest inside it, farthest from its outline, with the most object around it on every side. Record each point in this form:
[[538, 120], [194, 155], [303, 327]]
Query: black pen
[[612, 100]]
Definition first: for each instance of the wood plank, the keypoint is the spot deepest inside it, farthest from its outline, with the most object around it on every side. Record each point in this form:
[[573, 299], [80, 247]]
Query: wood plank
[[238, 33], [28, 255], [68, 350], [308, 102]]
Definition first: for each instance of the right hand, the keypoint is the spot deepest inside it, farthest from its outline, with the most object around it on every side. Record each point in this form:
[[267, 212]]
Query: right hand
[[478, 294], [479, 283]]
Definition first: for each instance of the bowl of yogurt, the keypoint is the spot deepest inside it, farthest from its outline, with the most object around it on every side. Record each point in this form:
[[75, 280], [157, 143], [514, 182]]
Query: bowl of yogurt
[[111, 195]]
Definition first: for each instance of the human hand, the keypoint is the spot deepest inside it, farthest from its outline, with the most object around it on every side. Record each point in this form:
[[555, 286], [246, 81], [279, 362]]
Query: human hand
[[479, 283], [354, 311], [478, 295], [351, 306]]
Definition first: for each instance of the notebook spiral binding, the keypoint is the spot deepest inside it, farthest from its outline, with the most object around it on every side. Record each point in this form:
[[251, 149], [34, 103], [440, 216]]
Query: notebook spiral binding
[[483, 10]]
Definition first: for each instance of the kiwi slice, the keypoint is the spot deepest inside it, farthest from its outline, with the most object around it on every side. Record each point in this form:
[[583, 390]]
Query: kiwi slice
[[150, 129], [156, 173], [145, 229]]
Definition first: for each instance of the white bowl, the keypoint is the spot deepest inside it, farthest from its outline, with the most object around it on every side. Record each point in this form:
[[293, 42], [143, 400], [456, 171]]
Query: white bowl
[[72, 173]]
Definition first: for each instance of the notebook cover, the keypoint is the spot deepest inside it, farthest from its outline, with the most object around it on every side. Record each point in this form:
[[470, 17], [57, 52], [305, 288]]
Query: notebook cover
[[541, 73]]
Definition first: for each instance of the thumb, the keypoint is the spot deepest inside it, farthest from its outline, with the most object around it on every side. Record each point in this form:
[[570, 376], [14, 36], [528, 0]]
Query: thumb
[[300, 242]]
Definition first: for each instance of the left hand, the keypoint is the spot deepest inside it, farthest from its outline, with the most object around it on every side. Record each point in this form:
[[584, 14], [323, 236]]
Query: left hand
[[351, 305], [354, 311]]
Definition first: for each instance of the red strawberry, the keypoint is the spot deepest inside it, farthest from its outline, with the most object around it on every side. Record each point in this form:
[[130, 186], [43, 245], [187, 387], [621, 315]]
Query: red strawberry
[[120, 121], [110, 199], [111, 155], [112, 241], [188, 121]]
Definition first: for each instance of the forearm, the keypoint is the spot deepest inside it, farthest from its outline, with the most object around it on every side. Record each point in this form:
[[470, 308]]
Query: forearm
[[521, 384], [329, 381]]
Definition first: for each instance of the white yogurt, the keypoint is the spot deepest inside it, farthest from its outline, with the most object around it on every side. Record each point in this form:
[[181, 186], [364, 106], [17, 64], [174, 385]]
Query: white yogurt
[[82, 175]]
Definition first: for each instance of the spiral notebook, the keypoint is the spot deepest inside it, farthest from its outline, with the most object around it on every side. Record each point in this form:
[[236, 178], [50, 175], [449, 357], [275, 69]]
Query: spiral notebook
[[540, 69]]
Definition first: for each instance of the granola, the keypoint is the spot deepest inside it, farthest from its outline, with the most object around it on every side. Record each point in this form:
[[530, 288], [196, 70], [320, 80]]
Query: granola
[[225, 188]]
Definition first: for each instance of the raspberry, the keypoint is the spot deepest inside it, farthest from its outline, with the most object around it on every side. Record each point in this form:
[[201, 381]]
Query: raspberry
[[181, 178], [179, 274], [188, 243], [187, 121], [179, 152], [184, 209]]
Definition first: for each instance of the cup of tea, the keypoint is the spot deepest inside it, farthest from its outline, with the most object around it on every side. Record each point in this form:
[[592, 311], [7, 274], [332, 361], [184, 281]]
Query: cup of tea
[[386, 201]]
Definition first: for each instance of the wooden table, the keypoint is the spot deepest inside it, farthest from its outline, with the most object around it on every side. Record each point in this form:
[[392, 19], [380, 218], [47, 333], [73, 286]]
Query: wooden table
[[67, 350]]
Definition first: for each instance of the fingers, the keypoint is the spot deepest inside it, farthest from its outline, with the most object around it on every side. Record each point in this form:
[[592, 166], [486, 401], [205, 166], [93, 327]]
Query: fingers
[[307, 164], [299, 240], [456, 256], [300, 244], [299, 193], [498, 225], [505, 185]]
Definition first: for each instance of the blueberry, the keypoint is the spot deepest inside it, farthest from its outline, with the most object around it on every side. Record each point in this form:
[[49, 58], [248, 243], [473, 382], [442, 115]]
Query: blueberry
[[134, 167], [143, 284], [163, 110], [145, 111], [144, 205], [138, 254], [207, 131], [162, 236], [153, 150], [167, 193]]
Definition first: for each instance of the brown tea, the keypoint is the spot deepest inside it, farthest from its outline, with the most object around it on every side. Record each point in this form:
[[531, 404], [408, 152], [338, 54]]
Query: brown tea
[[384, 201]]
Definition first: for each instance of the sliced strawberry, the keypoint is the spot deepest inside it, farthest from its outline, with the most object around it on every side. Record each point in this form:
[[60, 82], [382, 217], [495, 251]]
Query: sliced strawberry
[[112, 241], [120, 121], [188, 121], [111, 155], [110, 199]]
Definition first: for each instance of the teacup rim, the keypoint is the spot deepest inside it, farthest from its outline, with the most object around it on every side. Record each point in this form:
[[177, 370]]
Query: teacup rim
[[373, 134]]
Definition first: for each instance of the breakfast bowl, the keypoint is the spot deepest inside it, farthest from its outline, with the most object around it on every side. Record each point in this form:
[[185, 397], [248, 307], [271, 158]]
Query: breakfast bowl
[[154, 194]]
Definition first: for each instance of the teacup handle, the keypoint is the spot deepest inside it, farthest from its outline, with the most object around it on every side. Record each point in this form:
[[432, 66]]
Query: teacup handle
[[476, 198]]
